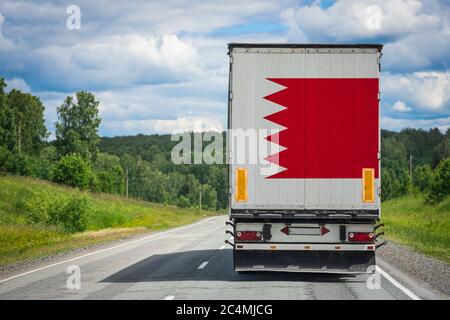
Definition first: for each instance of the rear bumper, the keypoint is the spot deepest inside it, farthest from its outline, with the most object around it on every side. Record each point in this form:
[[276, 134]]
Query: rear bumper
[[304, 261]]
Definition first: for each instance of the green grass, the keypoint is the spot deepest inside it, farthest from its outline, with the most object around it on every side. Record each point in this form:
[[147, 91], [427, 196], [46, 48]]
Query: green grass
[[110, 217], [412, 222]]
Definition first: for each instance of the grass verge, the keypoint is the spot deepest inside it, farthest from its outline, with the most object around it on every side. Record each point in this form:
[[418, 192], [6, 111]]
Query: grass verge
[[109, 218], [426, 228]]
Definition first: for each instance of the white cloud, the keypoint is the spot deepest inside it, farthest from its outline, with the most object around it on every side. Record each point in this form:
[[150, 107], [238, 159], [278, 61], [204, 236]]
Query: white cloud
[[156, 64], [118, 61], [397, 124], [145, 104], [46, 24], [400, 106], [5, 44], [419, 51], [428, 91], [17, 83], [168, 51], [348, 19], [416, 33]]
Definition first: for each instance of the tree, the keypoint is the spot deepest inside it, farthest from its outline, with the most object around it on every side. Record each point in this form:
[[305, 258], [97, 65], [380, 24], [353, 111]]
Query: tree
[[218, 179], [154, 183], [73, 170], [191, 189], [77, 128], [29, 124], [394, 175], [422, 177], [442, 150], [41, 165], [175, 182], [394, 155], [209, 197], [440, 186], [387, 189], [110, 175], [14, 162], [7, 127]]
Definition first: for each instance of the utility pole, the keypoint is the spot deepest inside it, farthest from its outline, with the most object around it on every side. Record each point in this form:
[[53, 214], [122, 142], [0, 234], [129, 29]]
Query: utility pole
[[126, 182], [20, 136], [200, 197], [410, 165]]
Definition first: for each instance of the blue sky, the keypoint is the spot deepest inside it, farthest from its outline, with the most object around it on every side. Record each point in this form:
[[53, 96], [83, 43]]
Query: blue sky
[[160, 66]]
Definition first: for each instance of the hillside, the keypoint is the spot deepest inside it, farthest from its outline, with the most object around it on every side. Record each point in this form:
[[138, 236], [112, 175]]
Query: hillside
[[154, 177], [39, 218], [145, 146]]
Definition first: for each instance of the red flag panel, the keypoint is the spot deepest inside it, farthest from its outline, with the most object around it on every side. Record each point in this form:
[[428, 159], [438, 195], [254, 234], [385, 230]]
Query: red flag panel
[[332, 127]]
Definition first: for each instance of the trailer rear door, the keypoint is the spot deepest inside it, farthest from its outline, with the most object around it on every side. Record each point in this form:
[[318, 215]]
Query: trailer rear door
[[316, 115]]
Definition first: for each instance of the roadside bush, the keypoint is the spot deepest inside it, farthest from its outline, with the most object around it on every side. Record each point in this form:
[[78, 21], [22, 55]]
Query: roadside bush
[[70, 214], [94, 183], [38, 209], [394, 184], [422, 177], [183, 202], [72, 170], [440, 186]]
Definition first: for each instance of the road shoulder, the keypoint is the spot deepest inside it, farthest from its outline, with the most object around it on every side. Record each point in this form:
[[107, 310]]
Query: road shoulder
[[428, 277], [45, 261]]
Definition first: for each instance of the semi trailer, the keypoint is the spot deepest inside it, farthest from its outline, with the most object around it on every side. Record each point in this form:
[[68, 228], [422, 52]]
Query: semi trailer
[[309, 115]]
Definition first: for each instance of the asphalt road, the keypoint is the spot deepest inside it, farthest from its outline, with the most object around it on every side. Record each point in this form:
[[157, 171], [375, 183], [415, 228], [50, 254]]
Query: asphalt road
[[190, 262]]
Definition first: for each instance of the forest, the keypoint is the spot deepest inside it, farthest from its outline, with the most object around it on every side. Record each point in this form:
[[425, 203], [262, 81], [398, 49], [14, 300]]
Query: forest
[[413, 160]]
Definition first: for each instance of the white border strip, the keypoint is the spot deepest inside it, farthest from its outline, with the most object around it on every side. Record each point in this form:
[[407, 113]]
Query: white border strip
[[397, 284], [105, 250]]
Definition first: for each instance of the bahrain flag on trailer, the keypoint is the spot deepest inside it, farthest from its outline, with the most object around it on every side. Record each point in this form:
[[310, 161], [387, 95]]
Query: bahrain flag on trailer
[[330, 127]]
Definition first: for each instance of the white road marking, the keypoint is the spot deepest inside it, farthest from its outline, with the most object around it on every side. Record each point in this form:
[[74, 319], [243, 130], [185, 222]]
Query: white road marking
[[203, 265], [222, 247], [103, 250], [169, 298], [397, 284]]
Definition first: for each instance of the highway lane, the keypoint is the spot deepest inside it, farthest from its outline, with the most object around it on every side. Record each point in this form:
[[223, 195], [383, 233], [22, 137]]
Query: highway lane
[[190, 262]]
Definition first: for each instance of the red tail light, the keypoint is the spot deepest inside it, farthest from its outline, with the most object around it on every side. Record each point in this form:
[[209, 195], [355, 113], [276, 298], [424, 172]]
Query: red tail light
[[248, 235], [360, 236]]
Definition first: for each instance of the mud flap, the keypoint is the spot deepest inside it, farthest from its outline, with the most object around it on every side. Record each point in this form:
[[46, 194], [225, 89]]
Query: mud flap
[[304, 261]]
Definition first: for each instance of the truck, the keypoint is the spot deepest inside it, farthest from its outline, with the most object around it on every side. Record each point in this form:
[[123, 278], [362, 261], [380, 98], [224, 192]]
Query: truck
[[304, 157]]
